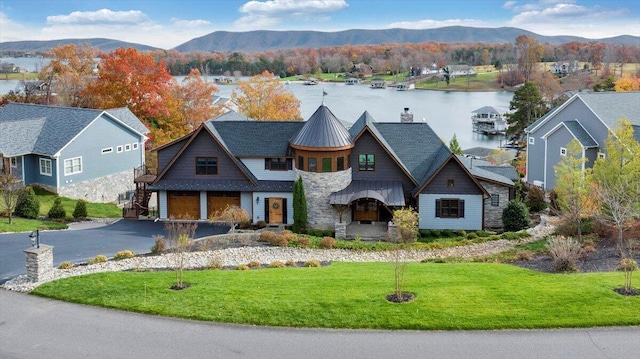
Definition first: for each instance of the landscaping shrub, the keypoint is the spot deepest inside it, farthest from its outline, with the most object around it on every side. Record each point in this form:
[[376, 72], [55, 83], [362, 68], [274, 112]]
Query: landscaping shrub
[[159, 246], [461, 233], [510, 236], [327, 233], [57, 211], [65, 265], [80, 211], [280, 241], [569, 227], [520, 191], [564, 252], [327, 243], [28, 205], [289, 236], [124, 255], [424, 233], [516, 216], [312, 263], [303, 242], [261, 224], [535, 199], [254, 264], [472, 235], [267, 236], [554, 205], [290, 263], [276, 264], [242, 267], [315, 232], [436, 233], [447, 233], [425, 239], [244, 224], [524, 256], [482, 233], [214, 263], [97, 259]]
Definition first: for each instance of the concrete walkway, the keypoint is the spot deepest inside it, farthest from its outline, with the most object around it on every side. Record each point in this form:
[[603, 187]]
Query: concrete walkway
[[33, 327]]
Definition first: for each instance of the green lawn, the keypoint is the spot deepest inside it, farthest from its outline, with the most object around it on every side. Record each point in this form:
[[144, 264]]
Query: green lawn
[[351, 295], [27, 225]]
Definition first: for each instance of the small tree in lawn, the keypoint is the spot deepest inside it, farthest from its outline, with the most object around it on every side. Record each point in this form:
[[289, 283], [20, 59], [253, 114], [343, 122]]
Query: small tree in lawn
[[80, 211], [57, 211], [406, 221], [231, 215], [28, 204], [180, 235], [10, 191], [299, 207], [628, 265], [516, 216]]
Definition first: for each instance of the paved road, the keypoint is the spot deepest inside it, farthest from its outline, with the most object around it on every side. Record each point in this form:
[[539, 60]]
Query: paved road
[[33, 327], [82, 244]]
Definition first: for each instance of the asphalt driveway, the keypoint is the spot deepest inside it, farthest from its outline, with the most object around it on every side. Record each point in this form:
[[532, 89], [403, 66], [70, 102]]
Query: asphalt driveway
[[81, 244]]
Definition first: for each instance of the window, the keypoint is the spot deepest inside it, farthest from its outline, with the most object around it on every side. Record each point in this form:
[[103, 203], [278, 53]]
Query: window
[[602, 155], [340, 163], [450, 208], [326, 165], [277, 164], [119, 149], [72, 166], [450, 182], [13, 162], [532, 140], [313, 165], [127, 147], [301, 163], [107, 150], [563, 151], [495, 200], [366, 162], [206, 165], [134, 145], [45, 166]]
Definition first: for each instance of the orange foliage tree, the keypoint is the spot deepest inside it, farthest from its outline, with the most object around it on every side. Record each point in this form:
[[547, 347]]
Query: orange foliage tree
[[264, 98], [196, 97], [627, 83], [69, 72]]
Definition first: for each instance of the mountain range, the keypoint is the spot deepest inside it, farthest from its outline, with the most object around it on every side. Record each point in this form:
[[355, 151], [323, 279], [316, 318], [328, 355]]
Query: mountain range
[[264, 40]]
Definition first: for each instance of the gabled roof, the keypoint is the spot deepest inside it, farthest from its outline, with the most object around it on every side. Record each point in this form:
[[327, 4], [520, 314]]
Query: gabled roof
[[485, 171], [322, 130], [256, 138], [457, 159], [609, 107], [577, 131], [45, 130]]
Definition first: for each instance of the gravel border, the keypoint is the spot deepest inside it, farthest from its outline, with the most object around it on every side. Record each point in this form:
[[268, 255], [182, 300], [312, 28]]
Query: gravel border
[[265, 255]]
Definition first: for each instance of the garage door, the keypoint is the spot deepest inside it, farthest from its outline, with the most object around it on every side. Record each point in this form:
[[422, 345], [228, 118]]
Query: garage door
[[218, 201], [184, 205]]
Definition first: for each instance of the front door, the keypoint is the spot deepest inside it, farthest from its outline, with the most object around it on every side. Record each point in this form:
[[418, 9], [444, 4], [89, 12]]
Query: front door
[[275, 210], [366, 210]]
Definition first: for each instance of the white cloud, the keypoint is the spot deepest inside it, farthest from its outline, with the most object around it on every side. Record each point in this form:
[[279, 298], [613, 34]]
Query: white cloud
[[509, 5], [431, 24], [189, 23], [104, 16], [270, 13], [11, 30]]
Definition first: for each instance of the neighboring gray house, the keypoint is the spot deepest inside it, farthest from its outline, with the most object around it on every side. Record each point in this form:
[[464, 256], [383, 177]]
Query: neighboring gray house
[[587, 117], [79, 153]]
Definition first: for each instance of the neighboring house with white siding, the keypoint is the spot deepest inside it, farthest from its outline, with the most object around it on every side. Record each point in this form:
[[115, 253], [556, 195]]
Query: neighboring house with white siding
[[79, 153]]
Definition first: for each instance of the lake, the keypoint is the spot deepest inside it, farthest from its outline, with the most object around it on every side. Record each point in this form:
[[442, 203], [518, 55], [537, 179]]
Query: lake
[[447, 112]]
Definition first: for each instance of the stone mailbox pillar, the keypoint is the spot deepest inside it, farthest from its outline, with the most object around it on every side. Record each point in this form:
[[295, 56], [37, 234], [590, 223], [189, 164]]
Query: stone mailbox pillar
[[39, 263]]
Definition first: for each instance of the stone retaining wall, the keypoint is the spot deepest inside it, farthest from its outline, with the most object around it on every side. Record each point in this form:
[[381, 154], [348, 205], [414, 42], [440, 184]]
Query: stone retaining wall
[[104, 189]]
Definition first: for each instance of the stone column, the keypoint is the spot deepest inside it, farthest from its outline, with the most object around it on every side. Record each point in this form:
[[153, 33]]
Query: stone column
[[392, 231], [341, 230], [39, 263]]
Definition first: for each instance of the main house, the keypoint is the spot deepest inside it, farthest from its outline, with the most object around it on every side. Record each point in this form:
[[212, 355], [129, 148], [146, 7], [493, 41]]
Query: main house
[[587, 117], [80, 153], [355, 175]]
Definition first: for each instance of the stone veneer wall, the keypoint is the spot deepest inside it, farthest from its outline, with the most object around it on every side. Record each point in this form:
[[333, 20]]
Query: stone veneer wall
[[493, 214], [317, 188], [103, 189], [39, 263]]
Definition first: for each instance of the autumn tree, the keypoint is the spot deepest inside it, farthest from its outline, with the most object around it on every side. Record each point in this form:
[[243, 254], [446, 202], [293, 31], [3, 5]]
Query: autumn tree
[[528, 106], [573, 186], [454, 146], [10, 187], [196, 99], [69, 72], [616, 177], [529, 54], [627, 83], [231, 215], [264, 98], [548, 85]]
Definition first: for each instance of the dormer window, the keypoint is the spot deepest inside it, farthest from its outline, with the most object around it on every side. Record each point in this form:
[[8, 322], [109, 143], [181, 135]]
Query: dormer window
[[277, 164]]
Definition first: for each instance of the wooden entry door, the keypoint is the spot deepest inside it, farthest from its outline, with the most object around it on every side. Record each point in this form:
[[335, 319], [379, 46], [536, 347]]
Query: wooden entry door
[[276, 210], [184, 205], [366, 210]]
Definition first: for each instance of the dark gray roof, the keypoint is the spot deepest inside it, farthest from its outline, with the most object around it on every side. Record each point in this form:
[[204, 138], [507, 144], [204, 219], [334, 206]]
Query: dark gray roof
[[128, 118], [509, 172], [580, 134], [322, 130], [221, 185], [231, 116], [487, 109], [255, 138], [387, 192], [45, 130], [483, 171]]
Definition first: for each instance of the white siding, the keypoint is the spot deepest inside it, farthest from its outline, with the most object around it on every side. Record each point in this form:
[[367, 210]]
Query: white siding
[[256, 166], [246, 202], [203, 204], [162, 203], [472, 213]]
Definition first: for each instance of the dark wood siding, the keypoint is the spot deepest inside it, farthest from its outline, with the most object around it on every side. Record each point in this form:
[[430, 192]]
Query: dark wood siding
[[204, 145], [166, 154], [462, 183], [386, 169]]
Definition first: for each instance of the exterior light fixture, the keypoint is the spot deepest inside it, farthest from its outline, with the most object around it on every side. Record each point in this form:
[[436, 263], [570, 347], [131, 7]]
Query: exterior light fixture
[[35, 238]]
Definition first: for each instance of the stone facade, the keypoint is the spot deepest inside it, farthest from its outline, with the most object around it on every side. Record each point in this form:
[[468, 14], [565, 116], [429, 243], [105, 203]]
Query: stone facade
[[317, 188], [493, 214], [39, 263], [104, 189], [341, 230]]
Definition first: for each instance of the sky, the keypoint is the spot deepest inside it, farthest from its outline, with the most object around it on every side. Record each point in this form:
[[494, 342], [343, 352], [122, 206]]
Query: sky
[[167, 24]]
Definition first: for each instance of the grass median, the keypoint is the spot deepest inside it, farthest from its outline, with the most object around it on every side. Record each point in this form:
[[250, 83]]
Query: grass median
[[352, 295]]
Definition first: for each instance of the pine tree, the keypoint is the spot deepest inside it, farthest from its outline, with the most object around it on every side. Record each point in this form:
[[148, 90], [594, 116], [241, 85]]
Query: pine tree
[[299, 207], [454, 146], [57, 211], [528, 105]]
